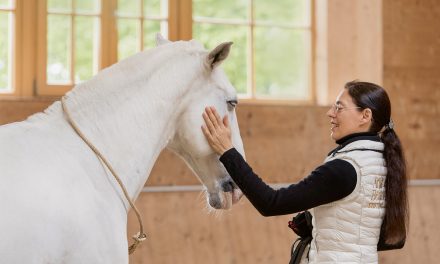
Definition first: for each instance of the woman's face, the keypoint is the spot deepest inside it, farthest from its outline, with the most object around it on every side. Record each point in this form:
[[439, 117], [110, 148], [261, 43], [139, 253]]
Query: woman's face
[[346, 118]]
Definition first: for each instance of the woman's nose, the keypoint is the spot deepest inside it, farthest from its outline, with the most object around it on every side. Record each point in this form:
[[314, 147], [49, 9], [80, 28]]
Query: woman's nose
[[331, 112]]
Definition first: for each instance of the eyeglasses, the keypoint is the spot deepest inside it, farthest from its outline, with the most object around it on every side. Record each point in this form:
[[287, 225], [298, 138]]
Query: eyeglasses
[[337, 108]]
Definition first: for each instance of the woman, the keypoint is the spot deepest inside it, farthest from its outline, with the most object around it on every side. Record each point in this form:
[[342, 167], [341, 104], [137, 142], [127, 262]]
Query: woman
[[358, 196]]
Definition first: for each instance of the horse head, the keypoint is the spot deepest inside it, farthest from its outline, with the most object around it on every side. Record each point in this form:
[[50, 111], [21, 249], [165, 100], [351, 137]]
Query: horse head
[[210, 88]]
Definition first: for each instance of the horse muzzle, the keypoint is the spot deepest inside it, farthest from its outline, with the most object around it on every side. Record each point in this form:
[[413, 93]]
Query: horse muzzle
[[229, 195]]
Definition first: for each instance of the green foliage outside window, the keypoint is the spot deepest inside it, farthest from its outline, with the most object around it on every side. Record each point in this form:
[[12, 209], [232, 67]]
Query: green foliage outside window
[[59, 5], [295, 12], [128, 37], [58, 49], [228, 9], [151, 27], [5, 3], [153, 7], [86, 38], [281, 62]]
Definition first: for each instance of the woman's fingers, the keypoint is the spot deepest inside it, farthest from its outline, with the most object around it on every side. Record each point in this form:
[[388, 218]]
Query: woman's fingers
[[207, 133], [226, 121], [217, 117], [209, 123], [216, 130], [212, 116]]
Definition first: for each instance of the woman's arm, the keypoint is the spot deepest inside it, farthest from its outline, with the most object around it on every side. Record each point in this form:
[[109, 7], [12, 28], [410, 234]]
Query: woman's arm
[[329, 182]]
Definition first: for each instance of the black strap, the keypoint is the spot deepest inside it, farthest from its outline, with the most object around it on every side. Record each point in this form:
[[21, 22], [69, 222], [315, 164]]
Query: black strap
[[298, 251]]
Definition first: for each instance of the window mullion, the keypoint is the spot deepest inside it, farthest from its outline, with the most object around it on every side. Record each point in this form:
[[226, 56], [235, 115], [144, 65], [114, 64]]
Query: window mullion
[[16, 46], [173, 20], [312, 54], [41, 47], [108, 38], [72, 45], [185, 20], [141, 33], [141, 27], [179, 19], [27, 63], [251, 47]]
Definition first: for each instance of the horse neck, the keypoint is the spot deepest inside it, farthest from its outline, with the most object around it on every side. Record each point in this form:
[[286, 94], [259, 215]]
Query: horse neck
[[132, 125]]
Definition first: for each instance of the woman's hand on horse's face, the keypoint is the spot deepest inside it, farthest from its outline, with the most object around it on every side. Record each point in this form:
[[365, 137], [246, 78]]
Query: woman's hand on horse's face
[[217, 131]]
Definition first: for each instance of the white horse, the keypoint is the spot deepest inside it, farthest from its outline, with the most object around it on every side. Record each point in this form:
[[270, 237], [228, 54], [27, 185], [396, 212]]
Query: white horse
[[60, 204]]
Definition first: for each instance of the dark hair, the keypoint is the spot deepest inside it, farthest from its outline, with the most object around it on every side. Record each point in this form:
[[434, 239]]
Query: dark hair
[[372, 96]]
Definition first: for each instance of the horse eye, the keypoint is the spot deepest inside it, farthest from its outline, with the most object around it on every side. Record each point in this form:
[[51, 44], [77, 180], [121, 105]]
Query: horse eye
[[232, 104]]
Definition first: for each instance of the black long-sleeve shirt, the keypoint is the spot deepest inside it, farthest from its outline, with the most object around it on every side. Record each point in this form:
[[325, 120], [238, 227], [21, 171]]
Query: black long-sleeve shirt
[[329, 182]]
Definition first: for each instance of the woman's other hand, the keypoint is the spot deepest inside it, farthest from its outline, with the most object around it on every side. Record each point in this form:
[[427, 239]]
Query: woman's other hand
[[217, 131]]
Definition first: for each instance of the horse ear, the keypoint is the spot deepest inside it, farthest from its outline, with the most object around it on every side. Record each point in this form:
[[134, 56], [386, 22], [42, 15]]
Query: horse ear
[[218, 55], [160, 40]]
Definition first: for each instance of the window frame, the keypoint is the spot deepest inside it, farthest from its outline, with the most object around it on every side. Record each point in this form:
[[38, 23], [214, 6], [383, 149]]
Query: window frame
[[29, 77]]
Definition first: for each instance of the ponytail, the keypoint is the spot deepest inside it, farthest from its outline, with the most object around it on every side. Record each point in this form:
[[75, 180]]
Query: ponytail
[[395, 222]]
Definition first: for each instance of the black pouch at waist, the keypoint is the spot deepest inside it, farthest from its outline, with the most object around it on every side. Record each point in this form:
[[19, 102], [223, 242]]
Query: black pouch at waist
[[301, 224]]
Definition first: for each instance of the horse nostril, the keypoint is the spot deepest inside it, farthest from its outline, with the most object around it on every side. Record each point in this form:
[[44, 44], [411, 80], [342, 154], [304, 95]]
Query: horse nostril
[[228, 186]]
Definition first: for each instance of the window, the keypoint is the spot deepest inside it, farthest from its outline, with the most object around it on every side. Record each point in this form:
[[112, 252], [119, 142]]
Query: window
[[7, 25], [137, 24], [271, 57], [271, 52], [72, 41], [82, 36]]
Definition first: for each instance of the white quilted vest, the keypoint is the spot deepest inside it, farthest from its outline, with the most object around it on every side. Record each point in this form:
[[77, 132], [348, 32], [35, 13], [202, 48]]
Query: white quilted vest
[[347, 231]]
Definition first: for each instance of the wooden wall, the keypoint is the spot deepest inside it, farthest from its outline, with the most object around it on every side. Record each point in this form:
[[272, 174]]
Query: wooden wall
[[283, 143], [181, 231], [411, 69]]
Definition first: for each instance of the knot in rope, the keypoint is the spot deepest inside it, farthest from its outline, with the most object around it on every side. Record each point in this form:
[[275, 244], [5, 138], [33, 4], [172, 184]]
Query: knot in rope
[[138, 238]]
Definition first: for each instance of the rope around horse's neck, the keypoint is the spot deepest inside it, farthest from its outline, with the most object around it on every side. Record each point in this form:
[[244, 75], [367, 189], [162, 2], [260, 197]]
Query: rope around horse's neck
[[140, 236]]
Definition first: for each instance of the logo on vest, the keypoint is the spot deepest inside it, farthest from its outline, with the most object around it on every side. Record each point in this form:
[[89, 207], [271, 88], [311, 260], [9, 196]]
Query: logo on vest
[[378, 196]]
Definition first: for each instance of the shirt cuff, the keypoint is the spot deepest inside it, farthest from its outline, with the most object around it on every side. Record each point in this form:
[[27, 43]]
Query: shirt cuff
[[228, 154]]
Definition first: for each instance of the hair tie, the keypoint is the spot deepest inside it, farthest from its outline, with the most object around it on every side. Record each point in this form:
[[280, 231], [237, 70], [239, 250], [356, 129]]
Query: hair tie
[[389, 127], [390, 124]]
